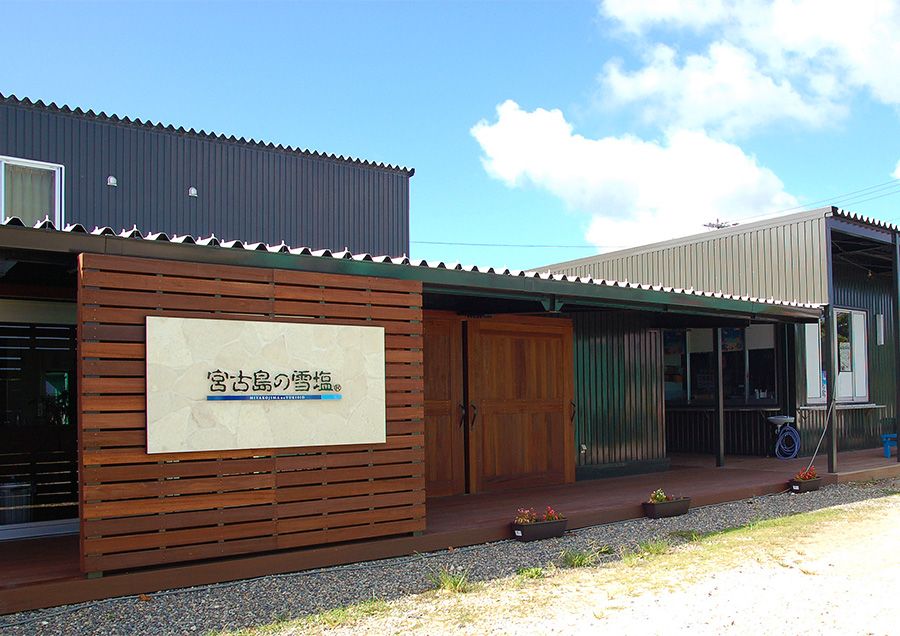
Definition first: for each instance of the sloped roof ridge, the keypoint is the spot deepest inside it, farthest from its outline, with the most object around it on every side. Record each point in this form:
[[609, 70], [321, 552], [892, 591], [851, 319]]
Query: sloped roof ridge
[[46, 225], [202, 134]]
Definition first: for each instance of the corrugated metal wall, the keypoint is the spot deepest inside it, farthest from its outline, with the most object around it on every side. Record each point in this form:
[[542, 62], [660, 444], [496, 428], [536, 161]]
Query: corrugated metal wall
[[783, 260], [245, 192], [618, 389], [694, 431], [859, 429]]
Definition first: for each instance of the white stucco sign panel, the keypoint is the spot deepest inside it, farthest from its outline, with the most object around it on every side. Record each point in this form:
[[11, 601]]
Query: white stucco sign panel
[[234, 384]]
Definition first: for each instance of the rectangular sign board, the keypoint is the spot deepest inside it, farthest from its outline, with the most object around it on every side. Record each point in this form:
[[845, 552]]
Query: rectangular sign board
[[235, 384]]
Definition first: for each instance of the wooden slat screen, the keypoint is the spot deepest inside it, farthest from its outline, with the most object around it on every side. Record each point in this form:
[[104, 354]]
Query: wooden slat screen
[[141, 510]]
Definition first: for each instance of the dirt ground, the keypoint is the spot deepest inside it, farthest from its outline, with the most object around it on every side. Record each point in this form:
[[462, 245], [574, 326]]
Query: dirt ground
[[835, 571]]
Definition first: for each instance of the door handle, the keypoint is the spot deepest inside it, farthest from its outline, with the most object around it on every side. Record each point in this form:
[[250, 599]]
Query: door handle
[[474, 415], [574, 411], [462, 415]]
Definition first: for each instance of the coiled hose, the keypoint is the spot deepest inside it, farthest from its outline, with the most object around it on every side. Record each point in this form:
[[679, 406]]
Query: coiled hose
[[788, 443]]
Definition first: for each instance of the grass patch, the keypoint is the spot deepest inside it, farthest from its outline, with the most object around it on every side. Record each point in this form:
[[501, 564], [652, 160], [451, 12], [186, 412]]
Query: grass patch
[[689, 535], [583, 558], [449, 581], [330, 619], [654, 547], [531, 573], [577, 558]]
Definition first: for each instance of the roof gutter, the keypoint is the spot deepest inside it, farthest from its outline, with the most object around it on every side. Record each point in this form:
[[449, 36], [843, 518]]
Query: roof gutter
[[432, 278]]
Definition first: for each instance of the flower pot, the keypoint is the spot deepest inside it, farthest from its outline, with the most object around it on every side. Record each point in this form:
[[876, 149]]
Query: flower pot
[[539, 530], [672, 508], [805, 485]]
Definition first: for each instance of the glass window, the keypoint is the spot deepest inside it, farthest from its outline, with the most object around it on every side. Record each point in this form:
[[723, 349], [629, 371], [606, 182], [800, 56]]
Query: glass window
[[852, 355], [702, 366], [734, 367], [813, 334], [30, 190], [675, 361], [762, 370], [844, 342]]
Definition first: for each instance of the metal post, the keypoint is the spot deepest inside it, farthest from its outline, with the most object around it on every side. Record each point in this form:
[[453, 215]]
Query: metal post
[[829, 353], [894, 328], [829, 363], [720, 401]]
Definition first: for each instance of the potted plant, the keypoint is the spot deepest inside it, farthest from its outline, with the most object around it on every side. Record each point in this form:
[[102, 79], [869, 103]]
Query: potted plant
[[661, 505], [531, 526], [806, 480]]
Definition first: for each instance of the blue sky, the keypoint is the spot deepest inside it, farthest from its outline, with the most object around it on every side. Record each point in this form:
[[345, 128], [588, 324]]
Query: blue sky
[[560, 123]]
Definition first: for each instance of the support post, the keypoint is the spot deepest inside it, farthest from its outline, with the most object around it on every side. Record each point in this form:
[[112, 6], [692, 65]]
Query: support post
[[720, 401], [829, 362], [829, 353], [895, 335]]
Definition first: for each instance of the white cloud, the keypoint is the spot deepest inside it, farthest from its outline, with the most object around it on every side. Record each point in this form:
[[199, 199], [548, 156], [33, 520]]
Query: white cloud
[[896, 172], [723, 91], [805, 56], [637, 16], [636, 191]]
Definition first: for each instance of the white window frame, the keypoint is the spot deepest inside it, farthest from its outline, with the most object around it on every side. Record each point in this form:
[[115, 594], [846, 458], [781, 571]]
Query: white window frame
[[814, 339], [59, 216], [859, 344], [858, 379]]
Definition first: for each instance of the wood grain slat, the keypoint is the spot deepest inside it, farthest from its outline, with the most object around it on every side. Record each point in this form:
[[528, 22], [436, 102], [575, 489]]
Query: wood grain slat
[[141, 510], [125, 560]]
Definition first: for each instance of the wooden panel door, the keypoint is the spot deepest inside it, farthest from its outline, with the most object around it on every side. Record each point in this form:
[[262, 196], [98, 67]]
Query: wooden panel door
[[445, 416], [520, 393]]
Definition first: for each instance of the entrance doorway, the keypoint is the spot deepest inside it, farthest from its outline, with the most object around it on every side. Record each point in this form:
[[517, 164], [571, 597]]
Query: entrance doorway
[[498, 403], [38, 432]]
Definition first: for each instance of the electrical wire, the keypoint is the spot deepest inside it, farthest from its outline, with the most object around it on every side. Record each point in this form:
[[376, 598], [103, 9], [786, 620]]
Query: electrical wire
[[516, 245]]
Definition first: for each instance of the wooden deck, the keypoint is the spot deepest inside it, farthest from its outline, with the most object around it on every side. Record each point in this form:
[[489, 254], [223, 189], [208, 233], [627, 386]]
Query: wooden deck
[[44, 572]]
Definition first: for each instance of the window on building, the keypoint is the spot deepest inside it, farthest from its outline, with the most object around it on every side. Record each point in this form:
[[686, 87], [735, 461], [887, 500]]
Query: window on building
[[675, 361], [749, 366], [701, 366], [851, 343], [734, 365], [852, 351], [813, 334], [762, 369], [31, 190]]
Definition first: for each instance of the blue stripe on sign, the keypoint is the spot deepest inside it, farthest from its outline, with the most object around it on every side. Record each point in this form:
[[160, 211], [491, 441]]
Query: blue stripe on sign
[[243, 398]]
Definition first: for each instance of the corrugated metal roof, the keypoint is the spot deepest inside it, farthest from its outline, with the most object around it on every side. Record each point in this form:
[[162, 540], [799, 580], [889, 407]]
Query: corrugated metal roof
[[739, 228], [211, 136], [213, 241], [867, 220]]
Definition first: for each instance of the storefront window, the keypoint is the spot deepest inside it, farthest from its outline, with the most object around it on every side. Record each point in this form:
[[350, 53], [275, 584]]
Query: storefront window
[[734, 367], [702, 364], [852, 355], [749, 366], [761, 366], [675, 361]]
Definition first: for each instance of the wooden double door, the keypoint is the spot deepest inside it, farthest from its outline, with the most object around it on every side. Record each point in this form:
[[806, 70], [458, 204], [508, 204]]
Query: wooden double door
[[498, 403]]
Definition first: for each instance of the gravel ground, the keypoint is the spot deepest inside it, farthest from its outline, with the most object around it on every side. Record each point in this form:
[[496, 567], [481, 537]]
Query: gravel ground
[[260, 601]]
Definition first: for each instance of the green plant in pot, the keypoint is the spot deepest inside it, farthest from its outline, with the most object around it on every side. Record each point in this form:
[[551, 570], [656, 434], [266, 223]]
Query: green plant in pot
[[660, 505], [529, 525]]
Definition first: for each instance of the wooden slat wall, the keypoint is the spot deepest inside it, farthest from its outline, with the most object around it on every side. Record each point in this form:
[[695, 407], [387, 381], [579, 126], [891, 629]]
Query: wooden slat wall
[[141, 510]]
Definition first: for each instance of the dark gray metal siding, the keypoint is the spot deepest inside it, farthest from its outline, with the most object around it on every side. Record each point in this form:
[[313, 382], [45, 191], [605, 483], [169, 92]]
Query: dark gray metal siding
[[246, 191], [618, 389]]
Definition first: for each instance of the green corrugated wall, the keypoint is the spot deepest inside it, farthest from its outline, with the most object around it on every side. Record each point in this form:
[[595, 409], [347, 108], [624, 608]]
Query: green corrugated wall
[[618, 389], [855, 289]]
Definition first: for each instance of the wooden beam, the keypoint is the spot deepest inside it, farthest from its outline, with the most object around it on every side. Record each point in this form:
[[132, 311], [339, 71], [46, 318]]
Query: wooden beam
[[720, 399]]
